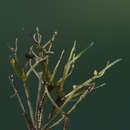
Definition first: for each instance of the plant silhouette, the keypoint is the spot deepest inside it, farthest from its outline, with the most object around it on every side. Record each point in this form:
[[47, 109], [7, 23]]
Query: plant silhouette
[[49, 89]]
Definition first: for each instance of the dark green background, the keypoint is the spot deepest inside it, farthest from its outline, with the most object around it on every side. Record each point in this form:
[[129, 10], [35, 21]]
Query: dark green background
[[106, 22]]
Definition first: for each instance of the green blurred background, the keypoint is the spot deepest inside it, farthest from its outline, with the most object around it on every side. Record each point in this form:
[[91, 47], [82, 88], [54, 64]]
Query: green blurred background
[[106, 22]]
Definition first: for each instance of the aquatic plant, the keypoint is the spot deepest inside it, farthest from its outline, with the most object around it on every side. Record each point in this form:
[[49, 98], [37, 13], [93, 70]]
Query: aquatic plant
[[50, 90]]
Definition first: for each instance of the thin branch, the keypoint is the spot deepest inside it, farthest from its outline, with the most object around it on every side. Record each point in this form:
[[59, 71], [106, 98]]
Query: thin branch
[[66, 123], [31, 49], [72, 51], [37, 37], [12, 81], [29, 123], [14, 49], [26, 89], [34, 71], [89, 90], [68, 69], [41, 109], [50, 42], [38, 98], [56, 67], [68, 64], [93, 78], [57, 122], [33, 66]]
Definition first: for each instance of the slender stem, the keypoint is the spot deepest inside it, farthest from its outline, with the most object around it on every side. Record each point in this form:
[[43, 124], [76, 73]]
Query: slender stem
[[66, 123], [89, 89], [26, 89], [37, 100], [13, 83], [56, 67], [41, 109], [33, 66], [11, 78]]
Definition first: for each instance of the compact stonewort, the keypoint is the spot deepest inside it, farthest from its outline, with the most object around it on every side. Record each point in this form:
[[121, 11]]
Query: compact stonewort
[[50, 90]]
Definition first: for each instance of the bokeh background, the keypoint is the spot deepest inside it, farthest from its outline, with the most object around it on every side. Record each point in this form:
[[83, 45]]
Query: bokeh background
[[106, 22]]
